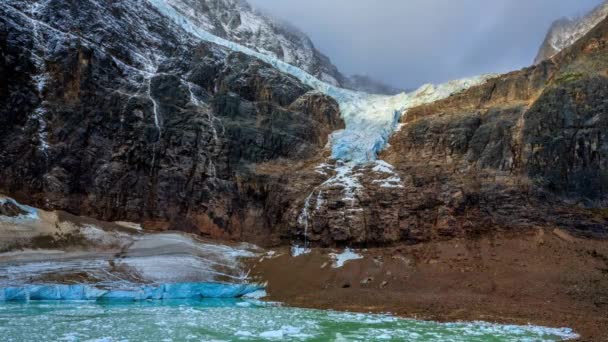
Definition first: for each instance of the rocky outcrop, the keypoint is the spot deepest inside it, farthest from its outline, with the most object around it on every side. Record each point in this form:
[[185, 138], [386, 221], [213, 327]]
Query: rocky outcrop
[[115, 113], [566, 31]]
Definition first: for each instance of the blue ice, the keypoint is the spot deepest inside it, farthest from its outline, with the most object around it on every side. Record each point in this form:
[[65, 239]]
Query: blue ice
[[138, 293]]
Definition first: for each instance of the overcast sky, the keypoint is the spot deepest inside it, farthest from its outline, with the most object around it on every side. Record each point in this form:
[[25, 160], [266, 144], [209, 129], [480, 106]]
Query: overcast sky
[[410, 42]]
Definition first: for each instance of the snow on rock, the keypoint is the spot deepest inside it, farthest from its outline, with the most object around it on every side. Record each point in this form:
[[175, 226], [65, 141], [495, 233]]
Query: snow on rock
[[237, 21], [297, 251], [566, 31], [341, 258], [112, 257]]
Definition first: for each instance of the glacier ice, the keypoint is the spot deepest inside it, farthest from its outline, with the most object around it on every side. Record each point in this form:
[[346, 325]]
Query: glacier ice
[[370, 119], [136, 293]]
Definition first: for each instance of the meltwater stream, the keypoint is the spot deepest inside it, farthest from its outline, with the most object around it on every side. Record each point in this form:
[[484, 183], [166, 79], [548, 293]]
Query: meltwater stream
[[236, 320]]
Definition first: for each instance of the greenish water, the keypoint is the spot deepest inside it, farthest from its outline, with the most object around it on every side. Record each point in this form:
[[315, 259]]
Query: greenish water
[[235, 320]]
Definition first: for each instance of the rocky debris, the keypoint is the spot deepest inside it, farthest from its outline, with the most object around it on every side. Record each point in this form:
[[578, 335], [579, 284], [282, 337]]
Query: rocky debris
[[367, 280], [563, 235]]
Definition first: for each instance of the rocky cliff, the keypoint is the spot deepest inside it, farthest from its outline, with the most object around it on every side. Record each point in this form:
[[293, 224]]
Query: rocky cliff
[[566, 31], [524, 150], [112, 110]]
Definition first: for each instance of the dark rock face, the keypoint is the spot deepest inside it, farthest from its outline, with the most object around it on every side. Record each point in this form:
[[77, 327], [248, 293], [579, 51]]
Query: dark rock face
[[566, 140], [117, 114]]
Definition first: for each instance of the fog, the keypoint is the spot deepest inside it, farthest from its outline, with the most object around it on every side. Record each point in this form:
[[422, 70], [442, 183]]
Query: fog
[[409, 42]]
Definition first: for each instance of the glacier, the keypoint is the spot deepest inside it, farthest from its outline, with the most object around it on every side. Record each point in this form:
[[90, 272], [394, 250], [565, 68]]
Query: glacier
[[52, 292], [370, 119]]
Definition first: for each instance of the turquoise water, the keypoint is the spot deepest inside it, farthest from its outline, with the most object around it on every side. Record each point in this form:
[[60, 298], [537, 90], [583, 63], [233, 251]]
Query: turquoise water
[[235, 320]]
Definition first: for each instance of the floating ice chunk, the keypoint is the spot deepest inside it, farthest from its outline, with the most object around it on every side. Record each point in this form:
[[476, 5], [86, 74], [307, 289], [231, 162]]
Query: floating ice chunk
[[256, 295], [341, 258], [296, 251]]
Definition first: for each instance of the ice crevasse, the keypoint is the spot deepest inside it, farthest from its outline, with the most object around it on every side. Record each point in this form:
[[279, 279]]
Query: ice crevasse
[[370, 119]]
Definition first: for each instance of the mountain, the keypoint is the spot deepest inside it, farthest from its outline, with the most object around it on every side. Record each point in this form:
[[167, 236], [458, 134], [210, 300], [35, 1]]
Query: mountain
[[564, 32], [237, 21], [132, 111], [110, 109]]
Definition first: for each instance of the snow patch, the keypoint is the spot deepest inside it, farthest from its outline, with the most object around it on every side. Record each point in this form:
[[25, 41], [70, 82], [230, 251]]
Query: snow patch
[[297, 251], [31, 214], [341, 258]]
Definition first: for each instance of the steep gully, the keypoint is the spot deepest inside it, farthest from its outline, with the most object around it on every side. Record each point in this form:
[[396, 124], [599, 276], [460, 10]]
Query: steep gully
[[370, 121]]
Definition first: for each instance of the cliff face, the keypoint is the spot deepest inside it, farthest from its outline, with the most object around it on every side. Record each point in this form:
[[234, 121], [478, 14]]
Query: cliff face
[[111, 110], [565, 32], [524, 150], [114, 112]]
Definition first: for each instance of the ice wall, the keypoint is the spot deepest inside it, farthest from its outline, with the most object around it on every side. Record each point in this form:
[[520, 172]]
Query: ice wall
[[138, 293]]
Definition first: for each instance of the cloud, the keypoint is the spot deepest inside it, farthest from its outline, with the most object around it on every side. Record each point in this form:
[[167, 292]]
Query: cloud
[[410, 42]]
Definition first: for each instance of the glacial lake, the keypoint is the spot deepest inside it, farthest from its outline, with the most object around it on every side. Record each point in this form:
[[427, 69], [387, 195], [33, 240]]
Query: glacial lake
[[235, 320]]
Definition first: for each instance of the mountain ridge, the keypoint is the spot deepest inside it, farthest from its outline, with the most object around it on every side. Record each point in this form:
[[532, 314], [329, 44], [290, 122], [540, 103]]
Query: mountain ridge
[[566, 31], [240, 22]]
